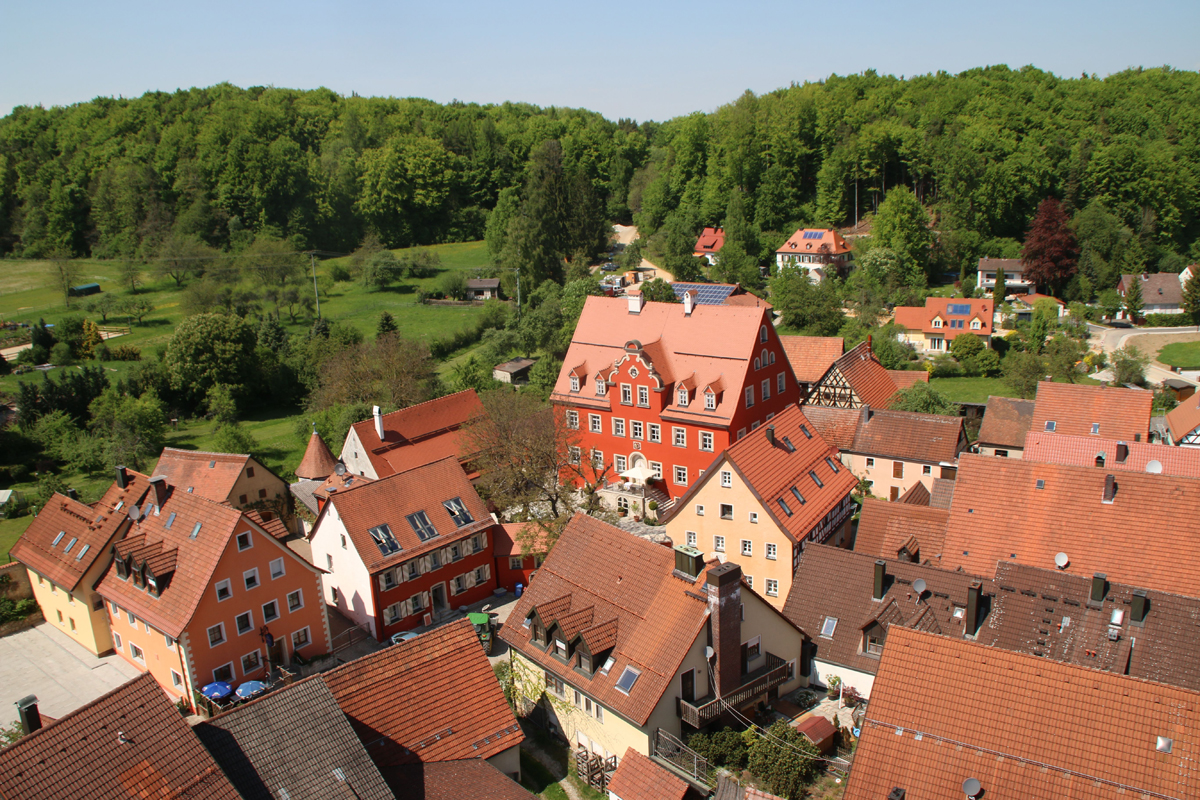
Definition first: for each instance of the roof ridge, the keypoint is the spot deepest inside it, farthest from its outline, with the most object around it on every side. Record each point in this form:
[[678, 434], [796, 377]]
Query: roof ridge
[[32, 737], [204, 453]]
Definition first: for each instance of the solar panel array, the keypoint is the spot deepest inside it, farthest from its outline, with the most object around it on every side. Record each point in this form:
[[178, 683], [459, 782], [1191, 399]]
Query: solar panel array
[[814, 234], [963, 309], [707, 294]]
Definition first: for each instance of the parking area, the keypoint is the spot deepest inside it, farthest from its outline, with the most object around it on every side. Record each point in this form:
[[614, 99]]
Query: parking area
[[44, 661]]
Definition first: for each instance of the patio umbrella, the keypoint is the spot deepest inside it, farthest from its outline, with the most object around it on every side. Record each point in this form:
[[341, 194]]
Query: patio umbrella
[[217, 691], [639, 473], [251, 688]]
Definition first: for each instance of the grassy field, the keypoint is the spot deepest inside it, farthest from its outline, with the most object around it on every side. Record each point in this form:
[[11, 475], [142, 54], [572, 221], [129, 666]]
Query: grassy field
[[10, 531], [977, 390], [1181, 354]]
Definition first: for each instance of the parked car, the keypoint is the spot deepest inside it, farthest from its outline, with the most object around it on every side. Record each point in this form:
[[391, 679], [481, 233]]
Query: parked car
[[609, 267], [403, 636]]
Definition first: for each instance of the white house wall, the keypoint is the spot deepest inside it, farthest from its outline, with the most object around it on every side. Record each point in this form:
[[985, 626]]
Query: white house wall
[[349, 576], [355, 457], [860, 681]]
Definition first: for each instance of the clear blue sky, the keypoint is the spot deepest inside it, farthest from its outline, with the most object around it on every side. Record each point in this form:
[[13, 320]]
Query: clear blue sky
[[646, 60]]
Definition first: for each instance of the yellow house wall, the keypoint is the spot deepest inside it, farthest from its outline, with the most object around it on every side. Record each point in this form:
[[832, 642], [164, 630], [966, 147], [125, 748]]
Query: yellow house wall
[[508, 762], [1013, 452], [91, 626], [276, 491], [756, 567], [881, 473]]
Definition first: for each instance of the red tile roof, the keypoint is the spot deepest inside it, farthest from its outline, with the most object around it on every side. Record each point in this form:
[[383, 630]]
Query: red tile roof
[[714, 343], [836, 425], [1082, 451], [943, 711], [318, 460], [1141, 537], [1184, 418], [1158, 289], [210, 475], [130, 743], [389, 501], [464, 779], [905, 378], [916, 318], [883, 528], [511, 538], [419, 434], [622, 578], [747, 301], [639, 778], [711, 240], [772, 471], [1075, 408], [828, 243], [432, 698], [1006, 420], [910, 436], [87, 530], [816, 728], [917, 495], [811, 356], [871, 382]]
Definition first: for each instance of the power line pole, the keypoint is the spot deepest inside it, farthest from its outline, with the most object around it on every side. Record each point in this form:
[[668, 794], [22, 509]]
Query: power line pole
[[312, 255]]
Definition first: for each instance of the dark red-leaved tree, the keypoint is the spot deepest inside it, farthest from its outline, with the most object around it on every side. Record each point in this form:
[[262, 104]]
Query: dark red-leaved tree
[[1050, 253]]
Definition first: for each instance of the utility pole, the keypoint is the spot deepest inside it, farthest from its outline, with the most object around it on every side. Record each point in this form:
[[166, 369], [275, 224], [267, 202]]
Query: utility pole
[[312, 255]]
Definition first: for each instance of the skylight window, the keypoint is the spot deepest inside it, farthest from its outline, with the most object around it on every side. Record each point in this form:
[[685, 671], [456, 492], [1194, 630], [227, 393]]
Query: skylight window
[[1095, 427], [422, 526], [1041, 484], [828, 627], [627, 680], [783, 504], [1050, 426], [70, 544], [170, 520], [196, 530], [805, 431], [608, 664], [384, 540], [963, 309], [787, 445], [58, 538], [458, 511], [82, 552], [833, 466], [816, 480], [798, 496]]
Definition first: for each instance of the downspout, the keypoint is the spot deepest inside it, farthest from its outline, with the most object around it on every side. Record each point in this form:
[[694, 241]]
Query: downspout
[[184, 672]]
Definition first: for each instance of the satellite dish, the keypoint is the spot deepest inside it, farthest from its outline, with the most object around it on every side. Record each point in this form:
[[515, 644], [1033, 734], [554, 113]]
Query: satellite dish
[[708, 652], [919, 586], [972, 788], [340, 469], [1061, 560], [1154, 467], [134, 513]]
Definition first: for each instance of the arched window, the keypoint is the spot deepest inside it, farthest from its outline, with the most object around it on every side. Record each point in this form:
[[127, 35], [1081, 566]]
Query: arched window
[[762, 333], [772, 359], [764, 358], [757, 364]]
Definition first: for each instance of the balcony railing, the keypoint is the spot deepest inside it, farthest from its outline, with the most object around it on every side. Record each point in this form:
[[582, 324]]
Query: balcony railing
[[703, 711]]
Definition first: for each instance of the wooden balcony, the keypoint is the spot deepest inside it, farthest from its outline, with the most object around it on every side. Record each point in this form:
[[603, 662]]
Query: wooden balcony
[[774, 672]]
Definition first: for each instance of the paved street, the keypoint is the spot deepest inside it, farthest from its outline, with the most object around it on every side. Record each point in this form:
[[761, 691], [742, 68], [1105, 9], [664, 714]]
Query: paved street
[[45, 662], [1148, 340]]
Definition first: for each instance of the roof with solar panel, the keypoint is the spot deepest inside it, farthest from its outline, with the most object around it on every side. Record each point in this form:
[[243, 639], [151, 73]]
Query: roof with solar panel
[[706, 294], [814, 241], [952, 316]]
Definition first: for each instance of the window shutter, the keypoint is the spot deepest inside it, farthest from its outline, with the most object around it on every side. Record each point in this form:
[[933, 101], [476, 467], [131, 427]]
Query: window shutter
[[426, 564], [406, 608], [469, 579], [447, 555], [382, 581], [487, 572], [426, 601], [453, 587], [400, 574]]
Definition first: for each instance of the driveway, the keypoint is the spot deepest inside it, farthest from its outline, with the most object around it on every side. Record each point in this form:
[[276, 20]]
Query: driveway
[[44, 661], [1149, 341], [625, 235]]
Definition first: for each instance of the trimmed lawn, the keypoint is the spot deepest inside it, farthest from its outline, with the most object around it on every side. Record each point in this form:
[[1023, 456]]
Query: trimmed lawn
[[977, 390], [10, 531], [1181, 354]]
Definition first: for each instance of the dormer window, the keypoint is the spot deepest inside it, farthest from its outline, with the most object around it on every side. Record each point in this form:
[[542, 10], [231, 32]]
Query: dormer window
[[122, 569], [975, 325], [585, 662], [560, 648], [599, 387], [458, 512], [682, 396], [937, 323], [422, 526], [537, 631], [710, 401], [574, 383], [384, 539]]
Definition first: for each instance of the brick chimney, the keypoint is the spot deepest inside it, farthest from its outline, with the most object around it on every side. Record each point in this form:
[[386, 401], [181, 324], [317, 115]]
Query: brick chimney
[[122, 477], [1099, 589], [771, 435], [159, 482], [724, 588], [1139, 604], [1122, 452], [880, 576], [31, 718], [974, 598], [1110, 488]]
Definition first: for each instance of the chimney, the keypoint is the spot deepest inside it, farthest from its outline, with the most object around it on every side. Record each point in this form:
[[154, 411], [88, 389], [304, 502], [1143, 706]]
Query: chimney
[[71, 493], [869, 343], [31, 718], [880, 574], [378, 422], [1138, 607], [159, 482], [1122, 452], [122, 477], [1110, 488], [1099, 588], [771, 435], [689, 302], [896, 793], [688, 560], [635, 303], [724, 589], [974, 597]]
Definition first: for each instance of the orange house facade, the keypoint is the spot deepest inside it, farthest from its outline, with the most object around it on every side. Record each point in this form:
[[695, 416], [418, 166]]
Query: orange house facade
[[200, 592]]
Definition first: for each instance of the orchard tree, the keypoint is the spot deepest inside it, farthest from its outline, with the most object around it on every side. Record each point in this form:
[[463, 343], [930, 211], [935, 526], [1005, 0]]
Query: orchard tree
[[1050, 254], [209, 349]]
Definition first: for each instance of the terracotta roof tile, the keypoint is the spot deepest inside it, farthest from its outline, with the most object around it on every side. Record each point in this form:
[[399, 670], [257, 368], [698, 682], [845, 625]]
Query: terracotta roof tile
[[318, 460], [451, 706], [905, 378], [210, 475], [942, 493], [1082, 451], [1006, 420], [918, 318], [1138, 538], [83, 754], [639, 778], [811, 356], [273, 526], [391, 500], [658, 615], [1074, 408], [871, 382], [711, 240], [747, 301], [828, 243], [943, 711], [463, 779], [1184, 418], [910, 436], [510, 538], [836, 425], [419, 434], [917, 495]]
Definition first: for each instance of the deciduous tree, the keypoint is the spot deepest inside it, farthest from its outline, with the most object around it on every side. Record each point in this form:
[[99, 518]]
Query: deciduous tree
[[902, 225], [1050, 253], [923, 398], [209, 349]]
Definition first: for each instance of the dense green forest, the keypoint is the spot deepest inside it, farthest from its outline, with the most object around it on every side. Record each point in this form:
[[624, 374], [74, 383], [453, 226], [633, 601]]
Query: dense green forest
[[115, 178]]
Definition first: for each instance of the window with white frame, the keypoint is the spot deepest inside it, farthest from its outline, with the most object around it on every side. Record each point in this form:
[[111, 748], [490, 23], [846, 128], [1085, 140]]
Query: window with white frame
[[622, 463], [706, 441], [780, 383], [710, 401], [975, 325], [216, 634], [926, 469], [515, 562], [300, 638], [117, 641], [270, 611], [295, 600], [699, 510], [277, 569], [766, 389], [169, 641], [757, 363], [681, 476], [244, 622], [749, 396], [726, 479], [762, 334], [600, 387], [626, 394], [176, 679], [870, 463], [644, 396], [691, 538], [655, 432], [223, 589], [772, 551], [726, 511], [747, 547], [574, 383], [618, 427], [636, 430], [771, 359], [598, 459], [223, 673], [719, 544], [573, 420], [136, 653], [754, 425], [749, 580], [244, 541], [594, 424], [250, 578], [329, 561], [753, 517], [772, 587], [657, 467], [681, 396], [679, 437], [573, 454]]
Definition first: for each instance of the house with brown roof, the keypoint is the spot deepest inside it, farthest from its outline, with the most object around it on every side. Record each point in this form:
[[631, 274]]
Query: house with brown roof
[[483, 288], [901, 531], [709, 244], [1095, 623], [811, 357], [1183, 423], [1162, 292], [612, 640], [411, 437], [240, 480], [639, 778], [66, 549], [1013, 269], [198, 591], [950, 718], [131, 742], [460, 779], [764, 499], [853, 603], [819, 251], [520, 548], [893, 450], [405, 550], [932, 328], [1126, 525], [431, 699], [1079, 410], [854, 380], [1092, 451], [1006, 421]]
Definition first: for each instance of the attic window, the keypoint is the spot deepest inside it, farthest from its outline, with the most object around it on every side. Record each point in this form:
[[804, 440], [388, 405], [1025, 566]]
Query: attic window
[[212, 464], [422, 526], [787, 445], [574, 383], [82, 552], [384, 540], [798, 496], [805, 431], [683, 396], [1163, 745], [190, 488], [458, 512], [608, 664], [710, 401], [783, 504], [1095, 427], [1041, 484], [170, 520], [828, 627], [832, 465], [70, 544], [627, 680], [196, 530], [58, 538], [1050, 425]]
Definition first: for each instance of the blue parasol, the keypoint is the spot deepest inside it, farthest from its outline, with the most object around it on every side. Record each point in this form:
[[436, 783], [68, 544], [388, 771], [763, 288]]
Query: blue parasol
[[250, 689], [217, 691]]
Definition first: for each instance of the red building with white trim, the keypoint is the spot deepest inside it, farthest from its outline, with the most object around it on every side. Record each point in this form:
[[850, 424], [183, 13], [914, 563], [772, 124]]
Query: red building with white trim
[[668, 386]]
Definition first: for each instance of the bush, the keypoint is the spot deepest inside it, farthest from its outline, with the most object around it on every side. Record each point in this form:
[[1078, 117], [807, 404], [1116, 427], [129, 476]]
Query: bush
[[339, 273], [15, 611], [1166, 320], [944, 366], [125, 352], [60, 354]]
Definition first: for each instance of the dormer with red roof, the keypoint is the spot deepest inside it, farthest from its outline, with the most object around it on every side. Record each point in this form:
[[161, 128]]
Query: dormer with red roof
[[709, 244], [931, 329], [411, 437], [818, 250]]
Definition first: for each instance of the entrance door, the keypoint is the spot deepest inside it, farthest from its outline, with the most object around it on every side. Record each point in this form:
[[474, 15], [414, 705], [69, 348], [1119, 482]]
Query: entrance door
[[894, 494], [438, 593], [687, 686]]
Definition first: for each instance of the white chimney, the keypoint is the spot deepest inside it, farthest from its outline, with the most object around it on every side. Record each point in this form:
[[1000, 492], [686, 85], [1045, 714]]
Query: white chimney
[[635, 303], [688, 303], [378, 423]]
